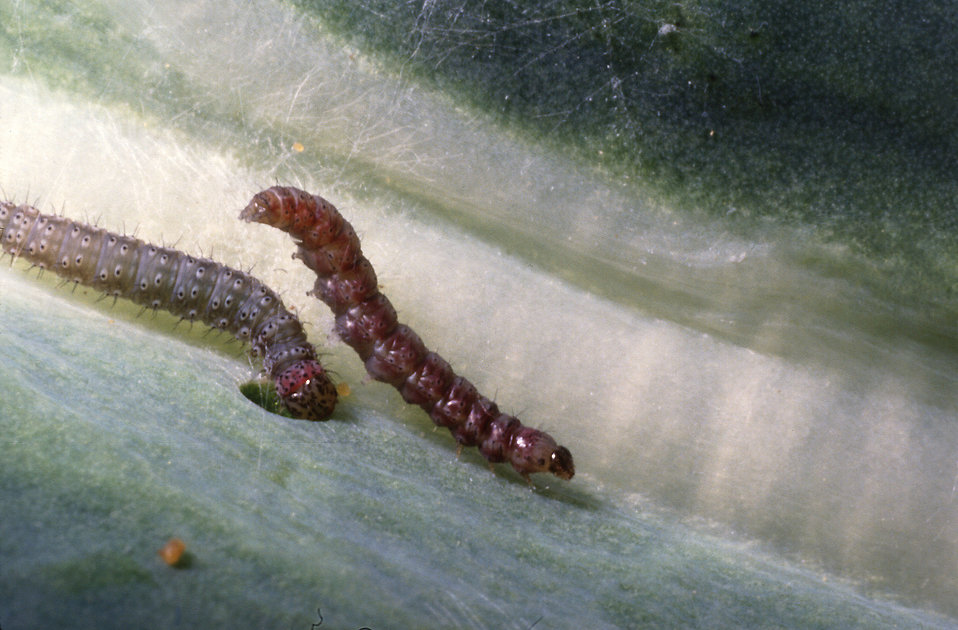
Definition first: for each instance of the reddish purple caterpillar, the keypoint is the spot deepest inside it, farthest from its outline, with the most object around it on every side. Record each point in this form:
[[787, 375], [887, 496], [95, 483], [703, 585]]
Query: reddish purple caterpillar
[[392, 352], [192, 288]]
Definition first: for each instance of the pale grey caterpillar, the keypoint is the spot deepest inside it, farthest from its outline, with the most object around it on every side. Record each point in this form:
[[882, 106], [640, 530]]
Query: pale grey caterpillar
[[392, 352], [189, 287]]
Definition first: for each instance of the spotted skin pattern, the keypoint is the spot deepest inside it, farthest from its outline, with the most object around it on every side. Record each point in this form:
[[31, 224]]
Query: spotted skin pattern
[[189, 287], [392, 352]]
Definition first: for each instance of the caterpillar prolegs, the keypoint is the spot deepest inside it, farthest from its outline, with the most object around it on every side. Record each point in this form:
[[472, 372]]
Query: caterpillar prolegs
[[393, 353], [192, 288]]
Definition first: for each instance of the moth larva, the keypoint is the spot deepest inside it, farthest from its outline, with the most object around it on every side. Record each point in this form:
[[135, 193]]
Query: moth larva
[[192, 288], [393, 353]]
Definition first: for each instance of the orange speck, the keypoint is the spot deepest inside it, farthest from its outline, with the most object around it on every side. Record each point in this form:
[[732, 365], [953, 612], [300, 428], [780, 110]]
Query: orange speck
[[172, 552], [298, 147], [343, 389]]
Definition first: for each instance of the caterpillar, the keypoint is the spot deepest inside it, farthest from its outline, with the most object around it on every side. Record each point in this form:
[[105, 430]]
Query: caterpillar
[[192, 288], [392, 352]]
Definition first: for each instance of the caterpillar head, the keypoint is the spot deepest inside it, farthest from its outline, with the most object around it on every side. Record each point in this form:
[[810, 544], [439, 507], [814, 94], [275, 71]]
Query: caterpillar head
[[274, 206], [306, 390], [535, 452], [312, 221]]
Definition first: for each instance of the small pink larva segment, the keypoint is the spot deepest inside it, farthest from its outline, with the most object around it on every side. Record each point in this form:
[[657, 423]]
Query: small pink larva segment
[[392, 352], [189, 287], [396, 356], [361, 325], [428, 382]]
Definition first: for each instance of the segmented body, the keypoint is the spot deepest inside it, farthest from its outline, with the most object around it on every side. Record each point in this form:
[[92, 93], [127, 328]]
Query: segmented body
[[192, 288], [393, 353]]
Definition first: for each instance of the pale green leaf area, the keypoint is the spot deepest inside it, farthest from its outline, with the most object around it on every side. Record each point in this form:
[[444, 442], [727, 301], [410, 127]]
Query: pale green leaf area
[[764, 431], [117, 436]]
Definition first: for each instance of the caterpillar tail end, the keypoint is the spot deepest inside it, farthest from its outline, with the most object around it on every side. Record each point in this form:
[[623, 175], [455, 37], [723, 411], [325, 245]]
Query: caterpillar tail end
[[306, 391]]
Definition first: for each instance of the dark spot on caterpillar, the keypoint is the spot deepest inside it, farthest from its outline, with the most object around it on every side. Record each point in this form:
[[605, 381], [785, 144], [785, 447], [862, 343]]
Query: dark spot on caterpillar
[[392, 352], [159, 277]]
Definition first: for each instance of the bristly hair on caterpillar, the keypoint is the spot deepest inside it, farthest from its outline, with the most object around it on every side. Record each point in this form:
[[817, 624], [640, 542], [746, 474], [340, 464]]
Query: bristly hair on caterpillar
[[392, 352], [189, 287]]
